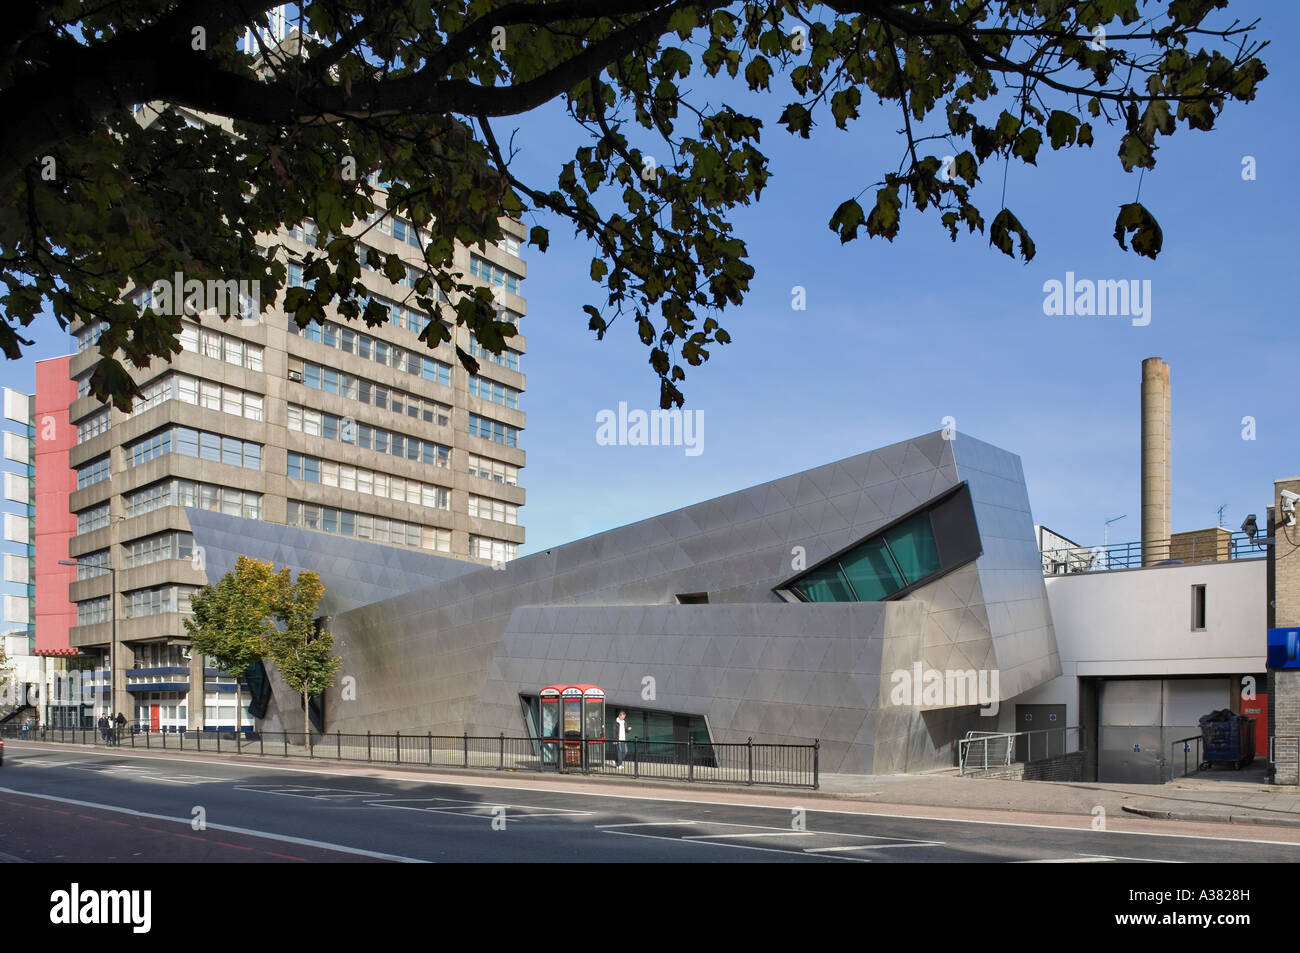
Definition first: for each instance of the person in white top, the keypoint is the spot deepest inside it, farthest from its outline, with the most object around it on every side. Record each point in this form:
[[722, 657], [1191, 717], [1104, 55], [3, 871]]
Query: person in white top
[[621, 750]]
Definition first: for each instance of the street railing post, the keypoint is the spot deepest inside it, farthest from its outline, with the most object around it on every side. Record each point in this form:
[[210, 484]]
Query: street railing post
[[501, 751], [338, 746], [636, 757], [465, 747], [690, 758], [367, 744], [429, 738], [399, 747], [146, 739], [218, 739], [286, 743], [749, 746], [817, 757], [261, 742]]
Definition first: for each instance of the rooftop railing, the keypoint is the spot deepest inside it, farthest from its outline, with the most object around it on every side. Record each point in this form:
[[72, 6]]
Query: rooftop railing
[[1199, 547]]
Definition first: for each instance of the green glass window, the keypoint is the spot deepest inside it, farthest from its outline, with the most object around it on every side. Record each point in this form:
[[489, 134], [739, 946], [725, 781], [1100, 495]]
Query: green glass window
[[913, 549], [923, 546], [826, 585], [872, 571]]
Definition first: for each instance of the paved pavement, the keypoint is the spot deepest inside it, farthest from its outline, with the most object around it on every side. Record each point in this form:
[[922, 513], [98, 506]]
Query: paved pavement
[[1242, 797]]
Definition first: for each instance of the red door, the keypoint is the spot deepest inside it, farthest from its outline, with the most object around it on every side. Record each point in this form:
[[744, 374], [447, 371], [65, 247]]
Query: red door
[[155, 711], [1257, 709]]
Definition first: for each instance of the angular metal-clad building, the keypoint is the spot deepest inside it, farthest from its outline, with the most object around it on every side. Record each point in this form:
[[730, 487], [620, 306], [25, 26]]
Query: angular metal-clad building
[[820, 605]]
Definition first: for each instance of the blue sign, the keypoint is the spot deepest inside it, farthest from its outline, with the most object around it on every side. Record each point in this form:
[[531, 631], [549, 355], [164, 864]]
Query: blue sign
[[1283, 648]]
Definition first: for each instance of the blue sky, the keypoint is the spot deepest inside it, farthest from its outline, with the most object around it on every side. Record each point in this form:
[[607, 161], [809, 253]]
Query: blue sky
[[898, 336]]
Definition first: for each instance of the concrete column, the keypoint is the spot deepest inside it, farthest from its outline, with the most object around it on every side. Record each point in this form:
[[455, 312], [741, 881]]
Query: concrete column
[[194, 702], [1155, 460]]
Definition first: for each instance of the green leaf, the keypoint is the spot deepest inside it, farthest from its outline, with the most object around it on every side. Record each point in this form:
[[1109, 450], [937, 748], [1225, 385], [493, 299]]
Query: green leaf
[[1134, 219], [884, 217], [1004, 226], [1027, 144], [1061, 128], [847, 219]]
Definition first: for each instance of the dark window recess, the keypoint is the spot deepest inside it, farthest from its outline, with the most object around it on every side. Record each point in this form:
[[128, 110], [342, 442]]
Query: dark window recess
[[913, 550], [1198, 608], [692, 598]]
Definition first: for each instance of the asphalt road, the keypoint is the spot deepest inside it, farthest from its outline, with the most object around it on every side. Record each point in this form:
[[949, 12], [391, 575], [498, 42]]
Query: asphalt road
[[65, 804]]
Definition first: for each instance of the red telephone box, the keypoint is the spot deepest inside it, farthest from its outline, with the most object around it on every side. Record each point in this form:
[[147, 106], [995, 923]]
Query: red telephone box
[[572, 725]]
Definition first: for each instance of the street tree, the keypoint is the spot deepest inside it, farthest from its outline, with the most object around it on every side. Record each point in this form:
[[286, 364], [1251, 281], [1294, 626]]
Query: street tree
[[233, 620], [300, 646], [104, 194]]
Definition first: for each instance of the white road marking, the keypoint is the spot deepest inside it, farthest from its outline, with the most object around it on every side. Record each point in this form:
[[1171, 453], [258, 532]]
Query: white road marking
[[1145, 860], [700, 843], [827, 850], [1081, 859], [731, 836], [646, 824]]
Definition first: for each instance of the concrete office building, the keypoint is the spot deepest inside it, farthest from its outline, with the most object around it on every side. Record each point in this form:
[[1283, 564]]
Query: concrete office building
[[784, 612], [345, 429]]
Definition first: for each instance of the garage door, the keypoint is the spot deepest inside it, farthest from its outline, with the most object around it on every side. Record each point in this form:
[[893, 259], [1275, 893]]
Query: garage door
[[1140, 718]]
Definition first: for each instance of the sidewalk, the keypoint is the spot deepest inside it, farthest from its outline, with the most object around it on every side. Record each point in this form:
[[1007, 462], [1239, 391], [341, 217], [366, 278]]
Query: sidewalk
[[1242, 797]]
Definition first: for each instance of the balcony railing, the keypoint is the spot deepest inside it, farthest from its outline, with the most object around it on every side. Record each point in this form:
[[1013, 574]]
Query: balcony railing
[[1183, 549]]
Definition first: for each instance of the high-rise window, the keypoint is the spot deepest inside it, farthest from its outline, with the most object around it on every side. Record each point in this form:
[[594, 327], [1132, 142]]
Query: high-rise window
[[379, 529], [497, 550], [91, 473], [493, 470], [92, 426], [493, 430], [483, 269], [92, 611], [494, 391], [92, 519], [489, 509], [188, 442]]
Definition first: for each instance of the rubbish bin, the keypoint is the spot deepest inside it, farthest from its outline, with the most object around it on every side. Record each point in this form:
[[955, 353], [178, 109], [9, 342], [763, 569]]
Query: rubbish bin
[[1227, 738]]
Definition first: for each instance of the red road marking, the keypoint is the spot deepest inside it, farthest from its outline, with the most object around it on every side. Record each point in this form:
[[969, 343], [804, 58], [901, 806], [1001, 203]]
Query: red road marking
[[152, 830], [86, 817], [56, 811], [188, 836], [271, 853], [228, 844]]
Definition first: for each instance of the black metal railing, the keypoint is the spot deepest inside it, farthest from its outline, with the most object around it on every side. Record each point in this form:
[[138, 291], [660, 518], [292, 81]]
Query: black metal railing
[[747, 762]]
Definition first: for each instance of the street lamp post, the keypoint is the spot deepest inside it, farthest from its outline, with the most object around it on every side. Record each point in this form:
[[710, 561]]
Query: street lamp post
[[112, 645]]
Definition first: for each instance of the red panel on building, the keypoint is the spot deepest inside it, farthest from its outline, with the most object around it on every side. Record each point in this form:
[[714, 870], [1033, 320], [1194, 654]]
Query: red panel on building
[[55, 481], [1257, 708]]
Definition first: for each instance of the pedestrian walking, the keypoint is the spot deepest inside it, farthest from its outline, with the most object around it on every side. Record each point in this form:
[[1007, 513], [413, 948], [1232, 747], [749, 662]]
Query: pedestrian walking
[[103, 729], [121, 723]]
